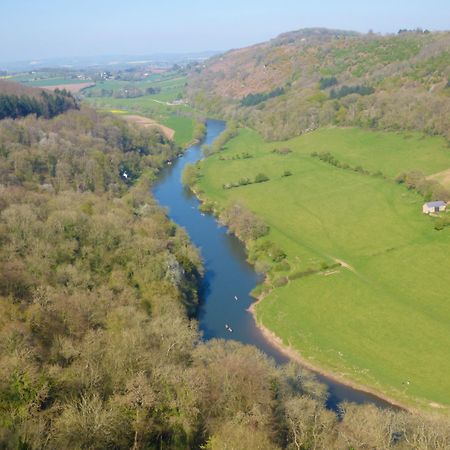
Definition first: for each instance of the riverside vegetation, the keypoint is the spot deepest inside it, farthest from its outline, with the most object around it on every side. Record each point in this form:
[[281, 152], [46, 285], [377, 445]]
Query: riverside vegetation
[[99, 348]]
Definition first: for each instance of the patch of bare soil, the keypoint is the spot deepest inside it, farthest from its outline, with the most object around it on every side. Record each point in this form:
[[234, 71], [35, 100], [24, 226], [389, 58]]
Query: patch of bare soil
[[72, 88], [145, 122]]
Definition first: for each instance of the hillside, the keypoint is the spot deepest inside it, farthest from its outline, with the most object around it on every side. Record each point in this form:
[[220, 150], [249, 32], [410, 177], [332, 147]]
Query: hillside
[[309, 78], [12, 88], [18, 101]]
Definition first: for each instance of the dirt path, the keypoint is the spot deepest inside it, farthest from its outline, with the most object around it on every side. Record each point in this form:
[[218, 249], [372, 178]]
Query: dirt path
[[145, 122]]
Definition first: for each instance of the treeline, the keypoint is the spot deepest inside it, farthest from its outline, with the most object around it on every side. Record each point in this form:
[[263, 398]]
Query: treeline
[[347, 90], [255, 99], [46, 105]]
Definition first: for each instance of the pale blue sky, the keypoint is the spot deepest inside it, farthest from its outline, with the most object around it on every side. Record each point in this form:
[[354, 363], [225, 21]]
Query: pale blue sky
[[33, 29]]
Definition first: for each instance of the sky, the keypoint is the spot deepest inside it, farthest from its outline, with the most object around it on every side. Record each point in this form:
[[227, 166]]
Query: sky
[[37, 29]]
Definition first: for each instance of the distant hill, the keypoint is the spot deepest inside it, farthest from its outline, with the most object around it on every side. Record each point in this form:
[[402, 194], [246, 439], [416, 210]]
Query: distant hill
[[313, 77], [18, 101], [12, 88]]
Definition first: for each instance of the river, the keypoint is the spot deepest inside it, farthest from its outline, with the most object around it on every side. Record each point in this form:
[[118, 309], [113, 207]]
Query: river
[[228, 275]]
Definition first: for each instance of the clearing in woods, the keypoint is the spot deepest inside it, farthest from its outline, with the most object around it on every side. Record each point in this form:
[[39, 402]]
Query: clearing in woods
[[383, 324]]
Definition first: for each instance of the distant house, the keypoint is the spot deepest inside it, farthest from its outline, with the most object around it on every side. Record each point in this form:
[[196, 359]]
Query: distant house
[[434, 207]]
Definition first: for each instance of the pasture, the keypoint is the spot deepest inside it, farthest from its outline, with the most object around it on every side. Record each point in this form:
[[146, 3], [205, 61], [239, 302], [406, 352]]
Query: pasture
[[382, 321]]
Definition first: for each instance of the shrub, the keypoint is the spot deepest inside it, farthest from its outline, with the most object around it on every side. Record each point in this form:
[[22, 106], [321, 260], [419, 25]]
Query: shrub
[[282, 151], [261, 178], [277, 254], [244, 181], [287, 173]]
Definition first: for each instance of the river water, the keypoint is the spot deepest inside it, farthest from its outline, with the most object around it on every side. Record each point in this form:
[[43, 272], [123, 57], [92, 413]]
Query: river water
[[228, 276]]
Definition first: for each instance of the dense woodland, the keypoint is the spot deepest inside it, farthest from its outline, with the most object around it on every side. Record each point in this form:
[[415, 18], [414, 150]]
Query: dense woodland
[[328, 77], [17, 101], [99, 348]]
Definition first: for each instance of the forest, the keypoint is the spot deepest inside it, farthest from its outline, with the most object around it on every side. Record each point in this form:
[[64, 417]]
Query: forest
[[17, 101], [331, 78], [99, 346]]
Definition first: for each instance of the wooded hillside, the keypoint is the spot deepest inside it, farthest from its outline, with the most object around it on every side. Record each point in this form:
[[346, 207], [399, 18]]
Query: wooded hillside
[[20, 101], [328, 77]]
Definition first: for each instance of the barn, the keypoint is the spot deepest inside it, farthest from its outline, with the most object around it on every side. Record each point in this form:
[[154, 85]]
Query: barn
[[434, 207]]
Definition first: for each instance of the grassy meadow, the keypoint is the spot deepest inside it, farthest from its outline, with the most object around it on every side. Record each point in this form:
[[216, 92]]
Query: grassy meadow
[[383, 320]]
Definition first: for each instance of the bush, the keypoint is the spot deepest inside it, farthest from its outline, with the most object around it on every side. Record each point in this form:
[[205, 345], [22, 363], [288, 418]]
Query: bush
[[244, 181], [287, 173], [282, 151], [261, 178], [277, 254]]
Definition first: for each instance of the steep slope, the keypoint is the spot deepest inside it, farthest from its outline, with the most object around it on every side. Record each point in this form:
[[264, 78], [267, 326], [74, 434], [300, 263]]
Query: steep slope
[[314, 77]]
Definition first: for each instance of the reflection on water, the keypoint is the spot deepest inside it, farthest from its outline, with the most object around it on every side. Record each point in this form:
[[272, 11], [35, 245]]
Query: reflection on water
[[228, 276]]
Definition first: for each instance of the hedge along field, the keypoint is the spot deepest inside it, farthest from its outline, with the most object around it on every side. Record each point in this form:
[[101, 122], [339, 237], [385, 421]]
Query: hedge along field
[[383, 324]]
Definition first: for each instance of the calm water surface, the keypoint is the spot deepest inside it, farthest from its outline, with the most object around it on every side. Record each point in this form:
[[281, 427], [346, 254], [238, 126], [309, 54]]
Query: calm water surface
[[227, 274]]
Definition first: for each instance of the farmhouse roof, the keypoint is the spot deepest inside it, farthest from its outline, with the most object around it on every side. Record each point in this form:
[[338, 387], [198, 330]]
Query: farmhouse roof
[[435, 204]]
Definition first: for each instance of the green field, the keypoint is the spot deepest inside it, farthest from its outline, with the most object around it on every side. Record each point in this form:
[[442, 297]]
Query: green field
[[386, 322], [183, 126], [53, 82], [156, 107]]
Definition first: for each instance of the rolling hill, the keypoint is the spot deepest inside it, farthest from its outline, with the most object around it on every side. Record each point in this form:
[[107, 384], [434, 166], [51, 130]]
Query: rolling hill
[[309, 78]]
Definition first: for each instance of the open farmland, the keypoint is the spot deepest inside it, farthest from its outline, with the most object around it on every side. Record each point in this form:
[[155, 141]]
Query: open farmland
[[386, 307], [163, 106]]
